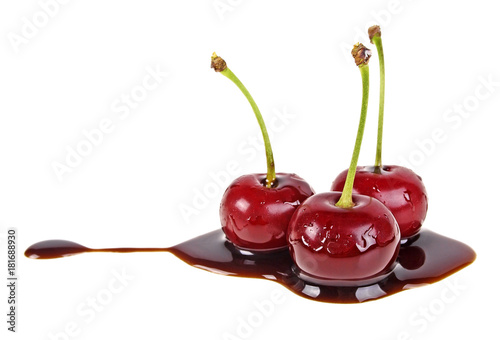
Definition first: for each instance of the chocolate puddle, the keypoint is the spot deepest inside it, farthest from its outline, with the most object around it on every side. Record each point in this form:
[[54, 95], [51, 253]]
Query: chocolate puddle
[[426, 259]]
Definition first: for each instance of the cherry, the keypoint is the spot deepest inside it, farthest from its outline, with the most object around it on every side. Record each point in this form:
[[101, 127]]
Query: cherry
[[399, 188], [256, 217], [256, 208], [329, 242], [341, 238]]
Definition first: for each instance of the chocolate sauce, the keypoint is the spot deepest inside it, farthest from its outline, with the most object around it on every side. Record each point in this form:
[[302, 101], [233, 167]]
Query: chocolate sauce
[[53, 249], [425, 259]]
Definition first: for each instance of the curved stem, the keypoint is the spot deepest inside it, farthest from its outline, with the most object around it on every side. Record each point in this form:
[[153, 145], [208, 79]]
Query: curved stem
[[271, 172], [345, 200], [377, 40]]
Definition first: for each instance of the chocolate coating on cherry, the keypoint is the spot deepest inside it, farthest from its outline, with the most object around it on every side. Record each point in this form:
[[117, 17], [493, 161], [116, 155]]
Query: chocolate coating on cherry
[[256, 217], [398, 188]]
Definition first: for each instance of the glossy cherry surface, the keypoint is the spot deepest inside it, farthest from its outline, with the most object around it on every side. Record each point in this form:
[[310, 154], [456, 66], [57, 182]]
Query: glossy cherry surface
[[343, 245], [398, 188], [256, 217]]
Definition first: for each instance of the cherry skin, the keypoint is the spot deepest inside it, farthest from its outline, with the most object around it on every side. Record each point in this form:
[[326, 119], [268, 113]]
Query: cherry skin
[[398, 188], [255, 217], [343, 245]]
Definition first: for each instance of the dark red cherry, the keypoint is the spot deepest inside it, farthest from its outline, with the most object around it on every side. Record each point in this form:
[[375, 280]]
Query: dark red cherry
[[340, 238], [255, 209], [343, 245], [256, 217], [398, 188]]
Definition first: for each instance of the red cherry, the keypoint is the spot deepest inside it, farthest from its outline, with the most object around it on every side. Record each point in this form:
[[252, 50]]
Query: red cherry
[[343, 245], [256, 217], [398, 188], [255, 209], [341, 238]]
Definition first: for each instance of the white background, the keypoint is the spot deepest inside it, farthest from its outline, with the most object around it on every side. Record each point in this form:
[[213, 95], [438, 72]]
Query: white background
[[64, 76]]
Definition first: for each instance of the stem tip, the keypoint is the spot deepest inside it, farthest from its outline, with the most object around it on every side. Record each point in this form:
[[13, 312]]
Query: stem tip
[[374, 31], [218, 64], [361, 54]]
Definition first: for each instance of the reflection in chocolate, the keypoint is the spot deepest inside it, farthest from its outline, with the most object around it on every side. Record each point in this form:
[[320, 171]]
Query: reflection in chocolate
[[411, 257], [428, 258]]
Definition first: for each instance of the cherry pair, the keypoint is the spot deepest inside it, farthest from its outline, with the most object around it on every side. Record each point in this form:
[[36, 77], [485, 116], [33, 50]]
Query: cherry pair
[[339, 238]]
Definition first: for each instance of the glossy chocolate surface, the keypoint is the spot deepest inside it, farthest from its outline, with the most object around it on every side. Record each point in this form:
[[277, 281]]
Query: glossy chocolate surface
[[424, 259]]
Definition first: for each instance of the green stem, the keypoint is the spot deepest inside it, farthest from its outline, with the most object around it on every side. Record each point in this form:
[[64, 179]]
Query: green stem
[[377, 40], [345, 200], [220, 66]]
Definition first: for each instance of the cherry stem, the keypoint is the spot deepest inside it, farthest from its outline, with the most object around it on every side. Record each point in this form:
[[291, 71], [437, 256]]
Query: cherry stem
[[361, 55], [219, 65], [376, 39]]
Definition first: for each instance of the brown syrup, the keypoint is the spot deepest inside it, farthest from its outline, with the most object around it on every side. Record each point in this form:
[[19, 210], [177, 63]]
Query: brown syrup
[[425, 259]]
